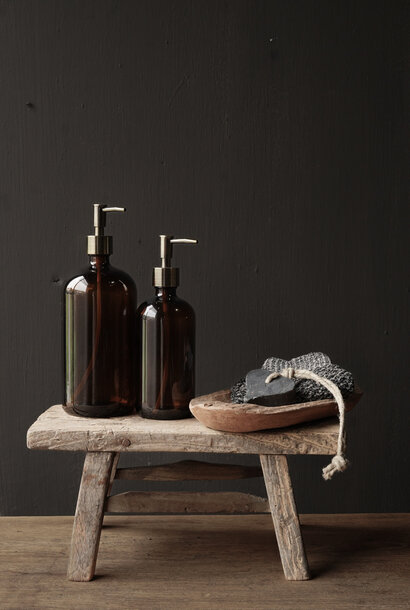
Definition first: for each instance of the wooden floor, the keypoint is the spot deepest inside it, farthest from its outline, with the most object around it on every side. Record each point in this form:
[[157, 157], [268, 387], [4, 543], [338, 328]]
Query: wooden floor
[[187, 562]]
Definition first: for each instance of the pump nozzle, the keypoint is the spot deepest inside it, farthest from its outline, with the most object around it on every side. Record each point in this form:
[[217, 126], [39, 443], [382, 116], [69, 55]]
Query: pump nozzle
[[100, 243], [167, 276]]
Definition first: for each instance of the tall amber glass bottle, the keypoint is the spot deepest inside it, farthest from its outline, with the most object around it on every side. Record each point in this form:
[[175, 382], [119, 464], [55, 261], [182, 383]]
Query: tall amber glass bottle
[[100, 332], [166, 339]]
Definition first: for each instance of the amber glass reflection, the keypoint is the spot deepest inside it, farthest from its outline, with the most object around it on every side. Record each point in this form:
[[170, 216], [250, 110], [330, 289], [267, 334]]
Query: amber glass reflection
[[166, 329], [100, 341]]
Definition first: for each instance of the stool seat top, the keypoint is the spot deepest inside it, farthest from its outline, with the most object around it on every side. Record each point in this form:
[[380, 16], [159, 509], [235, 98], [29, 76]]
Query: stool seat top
[[59, 428]]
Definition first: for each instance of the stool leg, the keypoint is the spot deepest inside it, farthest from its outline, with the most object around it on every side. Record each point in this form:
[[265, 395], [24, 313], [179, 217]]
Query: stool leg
[[89, 514], [113, 472], [285, 516]]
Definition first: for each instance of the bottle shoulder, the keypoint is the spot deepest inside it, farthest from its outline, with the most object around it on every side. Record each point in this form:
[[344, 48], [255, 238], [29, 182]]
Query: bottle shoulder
[[158, 307], [78, 283], [109, 277], [121, 276], [185, 306]]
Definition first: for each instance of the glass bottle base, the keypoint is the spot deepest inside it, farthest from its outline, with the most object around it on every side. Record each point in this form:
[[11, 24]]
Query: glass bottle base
[[165, 413], [110, 410]]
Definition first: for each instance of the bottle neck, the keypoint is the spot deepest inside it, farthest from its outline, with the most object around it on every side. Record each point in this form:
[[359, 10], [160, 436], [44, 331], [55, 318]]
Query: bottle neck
[[165, 294], [99, 261]]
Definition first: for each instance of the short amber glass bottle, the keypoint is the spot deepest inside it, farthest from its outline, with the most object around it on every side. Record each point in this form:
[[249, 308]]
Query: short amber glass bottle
[[166, 340], [167, 343], [100, 336]]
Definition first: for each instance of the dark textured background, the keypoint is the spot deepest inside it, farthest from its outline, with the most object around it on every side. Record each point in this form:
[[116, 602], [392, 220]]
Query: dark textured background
[[274, 132]]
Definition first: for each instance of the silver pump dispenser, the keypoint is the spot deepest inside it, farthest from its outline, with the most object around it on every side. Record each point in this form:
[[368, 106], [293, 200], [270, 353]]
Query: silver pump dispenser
[[100, 243], [167, 276]]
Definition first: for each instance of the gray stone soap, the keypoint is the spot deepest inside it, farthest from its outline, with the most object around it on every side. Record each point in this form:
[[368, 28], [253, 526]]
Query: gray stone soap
[[280, 391]]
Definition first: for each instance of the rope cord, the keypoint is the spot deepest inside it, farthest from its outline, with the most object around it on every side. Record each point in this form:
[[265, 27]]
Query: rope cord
[[339, 463]]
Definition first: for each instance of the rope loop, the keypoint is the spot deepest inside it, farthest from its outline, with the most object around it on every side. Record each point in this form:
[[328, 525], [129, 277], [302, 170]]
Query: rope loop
[[339, 463]]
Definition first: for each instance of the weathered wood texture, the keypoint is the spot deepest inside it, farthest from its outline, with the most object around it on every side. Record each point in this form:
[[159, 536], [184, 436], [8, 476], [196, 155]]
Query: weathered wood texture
[[59, 429], [113, 473], [204, 563], [88, 515], [218, 412], [177, 502], [188, 470], [285, 517], [274, 131]]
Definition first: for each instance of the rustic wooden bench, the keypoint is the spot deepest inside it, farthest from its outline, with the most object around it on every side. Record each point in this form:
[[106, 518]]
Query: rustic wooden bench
[[104, 440]]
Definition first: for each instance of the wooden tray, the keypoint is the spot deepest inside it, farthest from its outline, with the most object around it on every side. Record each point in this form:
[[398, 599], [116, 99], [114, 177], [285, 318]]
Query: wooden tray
[[216, 411]]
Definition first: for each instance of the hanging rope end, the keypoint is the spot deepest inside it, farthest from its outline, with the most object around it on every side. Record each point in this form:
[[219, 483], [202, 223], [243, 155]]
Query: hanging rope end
[[338, 464]]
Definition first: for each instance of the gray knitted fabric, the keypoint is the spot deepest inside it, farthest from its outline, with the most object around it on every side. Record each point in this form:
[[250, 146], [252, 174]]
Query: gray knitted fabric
[[306, 389]]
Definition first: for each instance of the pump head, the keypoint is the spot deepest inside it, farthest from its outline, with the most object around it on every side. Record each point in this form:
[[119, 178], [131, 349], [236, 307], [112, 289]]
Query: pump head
[[100, 243], [167, 276]]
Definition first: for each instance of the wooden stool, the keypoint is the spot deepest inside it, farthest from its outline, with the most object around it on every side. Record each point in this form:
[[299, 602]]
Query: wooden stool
[[104, 440]]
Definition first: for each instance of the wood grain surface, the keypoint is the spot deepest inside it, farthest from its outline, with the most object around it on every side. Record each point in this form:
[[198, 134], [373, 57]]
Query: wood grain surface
[[60, 429], [285, 517], [188, 470], [232, 562], [113, 473], [89, 514], [177, 502], [273, 131], [218, 412]]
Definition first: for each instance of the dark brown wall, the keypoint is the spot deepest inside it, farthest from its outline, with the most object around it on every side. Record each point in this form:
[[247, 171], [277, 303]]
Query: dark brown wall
[[273, 131]]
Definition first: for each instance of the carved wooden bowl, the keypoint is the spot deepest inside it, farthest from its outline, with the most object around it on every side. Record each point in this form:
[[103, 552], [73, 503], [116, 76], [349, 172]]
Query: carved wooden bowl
[[216, 411]]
